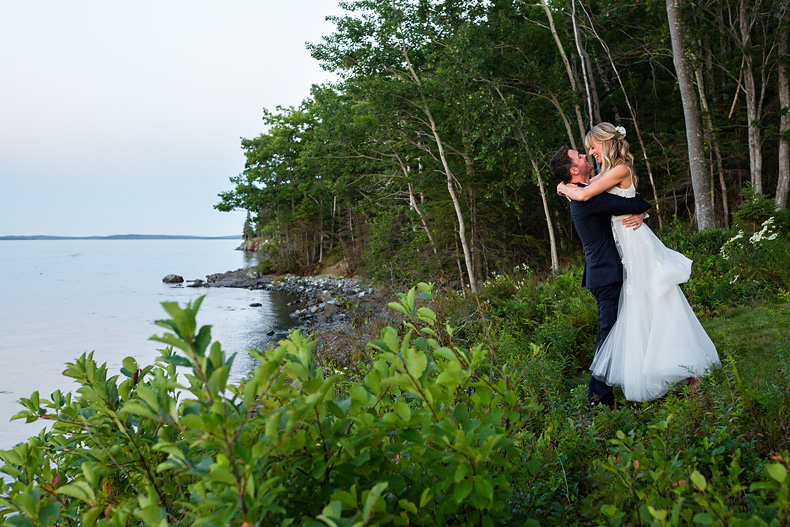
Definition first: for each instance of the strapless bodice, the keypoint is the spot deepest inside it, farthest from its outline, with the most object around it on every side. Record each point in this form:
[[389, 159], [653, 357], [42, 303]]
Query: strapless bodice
[[629, 192]]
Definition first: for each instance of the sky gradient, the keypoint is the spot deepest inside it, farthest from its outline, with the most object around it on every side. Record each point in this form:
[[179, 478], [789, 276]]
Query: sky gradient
[[125, 117]]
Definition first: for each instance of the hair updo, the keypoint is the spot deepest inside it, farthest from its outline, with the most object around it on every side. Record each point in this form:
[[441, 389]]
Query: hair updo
[[614, 147]]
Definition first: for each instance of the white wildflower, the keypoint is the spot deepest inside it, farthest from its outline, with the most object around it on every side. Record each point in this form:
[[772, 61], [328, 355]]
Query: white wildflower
[[728, 244], [764, 233]]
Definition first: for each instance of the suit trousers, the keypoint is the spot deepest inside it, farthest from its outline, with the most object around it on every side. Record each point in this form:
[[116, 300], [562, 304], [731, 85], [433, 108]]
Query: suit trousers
[[608, 298]]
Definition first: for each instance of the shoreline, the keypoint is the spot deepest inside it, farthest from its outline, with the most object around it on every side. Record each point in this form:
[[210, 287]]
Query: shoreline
[[342, 313]]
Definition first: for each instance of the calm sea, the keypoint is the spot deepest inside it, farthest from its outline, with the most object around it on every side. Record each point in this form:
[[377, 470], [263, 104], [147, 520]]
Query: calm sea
[[61, 298]]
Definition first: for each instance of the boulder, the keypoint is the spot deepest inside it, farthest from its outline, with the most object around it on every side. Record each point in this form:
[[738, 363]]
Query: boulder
[[173, 279]]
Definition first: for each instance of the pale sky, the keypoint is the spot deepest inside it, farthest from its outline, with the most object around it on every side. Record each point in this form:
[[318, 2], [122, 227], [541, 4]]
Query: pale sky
[[124, 116]]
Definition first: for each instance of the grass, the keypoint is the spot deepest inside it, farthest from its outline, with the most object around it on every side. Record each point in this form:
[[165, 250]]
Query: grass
[[755, 336]]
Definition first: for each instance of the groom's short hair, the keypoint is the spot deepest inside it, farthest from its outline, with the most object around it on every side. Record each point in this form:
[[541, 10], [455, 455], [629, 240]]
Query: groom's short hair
[[561, 164]]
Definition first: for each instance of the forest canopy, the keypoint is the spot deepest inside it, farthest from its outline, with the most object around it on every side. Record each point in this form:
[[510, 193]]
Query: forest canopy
[[429, 156]]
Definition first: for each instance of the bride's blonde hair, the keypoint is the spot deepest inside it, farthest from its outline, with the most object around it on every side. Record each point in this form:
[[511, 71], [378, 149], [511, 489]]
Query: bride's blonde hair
[[614, 147]]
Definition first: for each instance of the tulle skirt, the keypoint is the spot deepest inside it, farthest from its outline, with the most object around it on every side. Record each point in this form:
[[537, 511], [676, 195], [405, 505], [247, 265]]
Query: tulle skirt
[[657, 340]]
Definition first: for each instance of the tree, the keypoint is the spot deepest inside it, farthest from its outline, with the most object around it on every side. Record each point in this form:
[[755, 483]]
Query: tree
[[696, 153], [783, 180]]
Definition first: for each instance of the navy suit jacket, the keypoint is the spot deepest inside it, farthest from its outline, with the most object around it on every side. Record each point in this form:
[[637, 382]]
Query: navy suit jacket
[[592, 219]]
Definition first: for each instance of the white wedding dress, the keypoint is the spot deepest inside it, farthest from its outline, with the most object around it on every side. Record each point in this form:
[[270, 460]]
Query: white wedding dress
[[657, 340]]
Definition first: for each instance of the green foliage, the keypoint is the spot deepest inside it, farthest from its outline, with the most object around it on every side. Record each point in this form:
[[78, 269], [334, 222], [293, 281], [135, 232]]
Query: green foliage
[[265, 266], [432, 431], [423, 438], [463, 414], [475, 92], [559, 314]]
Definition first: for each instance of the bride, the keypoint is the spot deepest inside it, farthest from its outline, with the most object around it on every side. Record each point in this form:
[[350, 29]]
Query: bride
[[657, 340]]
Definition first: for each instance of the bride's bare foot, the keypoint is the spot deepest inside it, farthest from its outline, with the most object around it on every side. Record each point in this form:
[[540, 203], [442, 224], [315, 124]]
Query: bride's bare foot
[[693, 384]]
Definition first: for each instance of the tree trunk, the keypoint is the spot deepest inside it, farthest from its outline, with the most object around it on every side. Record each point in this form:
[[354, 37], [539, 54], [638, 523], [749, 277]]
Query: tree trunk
[[413, 204], [699, 176], [580, 50], [474, 236], [715, 143], [448, 173], [593, 88], [553, 98], [460, 268], [784, 123], [752, 113], [571, 78], [555, 262]]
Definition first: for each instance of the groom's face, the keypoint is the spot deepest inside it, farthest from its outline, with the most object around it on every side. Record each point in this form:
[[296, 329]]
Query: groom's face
[[581, 169]]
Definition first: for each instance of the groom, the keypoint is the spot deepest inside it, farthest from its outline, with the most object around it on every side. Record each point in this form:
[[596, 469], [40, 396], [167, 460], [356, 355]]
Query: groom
[[603, 270]]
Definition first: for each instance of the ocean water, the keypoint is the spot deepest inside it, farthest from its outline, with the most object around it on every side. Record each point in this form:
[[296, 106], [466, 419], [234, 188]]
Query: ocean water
[[62, 298]]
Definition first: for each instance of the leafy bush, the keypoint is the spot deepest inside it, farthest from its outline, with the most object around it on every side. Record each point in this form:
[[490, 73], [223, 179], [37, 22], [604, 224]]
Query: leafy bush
[[558, 314], [430, 432], [734, 266], [265, 266], [424, 438]]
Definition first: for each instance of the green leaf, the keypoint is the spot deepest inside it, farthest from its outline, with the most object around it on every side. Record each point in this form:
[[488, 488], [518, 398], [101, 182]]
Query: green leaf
[[332, 512], [18, 521], [398, 307], [403, 410], [659, 514], [348, 499], [777, 471], [48, 513], [703, 518], [425, 497], [426, 315], [90, 516], [407, 505], [370, 502], [445, 353], [462, 490], [81, 490], [130, 364], [152, 515], [698, 480], [461, 472], [416, 362], [409, 304], [484, 488], [425, 288]]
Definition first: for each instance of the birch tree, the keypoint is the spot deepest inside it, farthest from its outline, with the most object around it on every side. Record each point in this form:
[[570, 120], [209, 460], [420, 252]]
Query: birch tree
[[696, 151], [783, 182]]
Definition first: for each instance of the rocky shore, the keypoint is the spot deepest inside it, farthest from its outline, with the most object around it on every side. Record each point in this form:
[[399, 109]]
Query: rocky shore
[[342, 313]]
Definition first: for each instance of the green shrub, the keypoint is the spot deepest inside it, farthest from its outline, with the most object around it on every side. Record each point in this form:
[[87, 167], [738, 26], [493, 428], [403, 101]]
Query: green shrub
[[265, 266], [431, 431], [737, 265], [424, 438], [558, 314]]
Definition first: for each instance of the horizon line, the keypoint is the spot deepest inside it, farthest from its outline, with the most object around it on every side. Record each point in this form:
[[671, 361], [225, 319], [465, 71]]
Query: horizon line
[[118, 237]]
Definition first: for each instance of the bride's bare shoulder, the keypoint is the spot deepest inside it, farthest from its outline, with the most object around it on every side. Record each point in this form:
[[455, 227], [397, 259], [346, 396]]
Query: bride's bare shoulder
[[621, 174]]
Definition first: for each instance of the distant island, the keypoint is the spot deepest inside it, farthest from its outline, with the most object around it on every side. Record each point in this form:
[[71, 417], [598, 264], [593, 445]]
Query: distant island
[[123, 237]]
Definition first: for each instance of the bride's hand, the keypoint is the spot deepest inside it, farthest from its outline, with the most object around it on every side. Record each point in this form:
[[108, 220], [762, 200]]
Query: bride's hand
[[634, 222], [559, 189]]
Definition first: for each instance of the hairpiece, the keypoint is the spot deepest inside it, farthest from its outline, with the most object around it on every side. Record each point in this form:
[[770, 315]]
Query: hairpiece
[[620, 130]]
